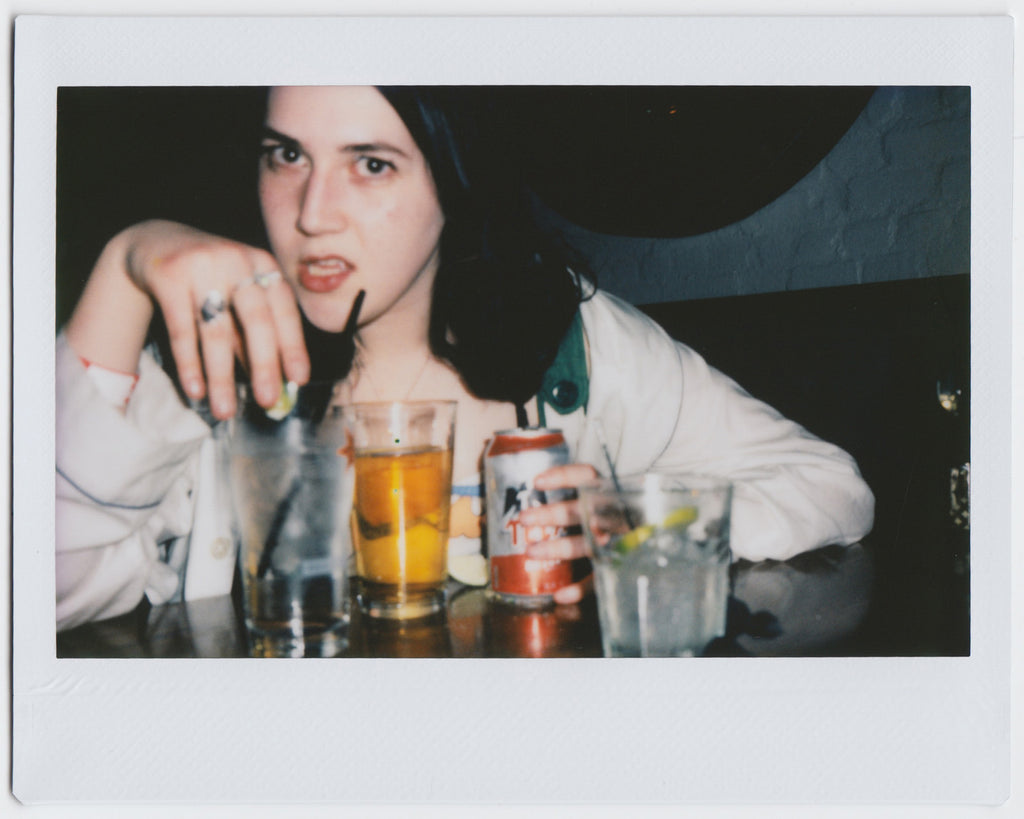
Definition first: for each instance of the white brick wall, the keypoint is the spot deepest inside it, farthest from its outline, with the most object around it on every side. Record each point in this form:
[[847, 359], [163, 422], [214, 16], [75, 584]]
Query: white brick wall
[[891, 201]]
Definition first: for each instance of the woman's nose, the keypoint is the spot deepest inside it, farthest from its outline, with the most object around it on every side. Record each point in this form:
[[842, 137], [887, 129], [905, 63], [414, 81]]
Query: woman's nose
[[322, 209]]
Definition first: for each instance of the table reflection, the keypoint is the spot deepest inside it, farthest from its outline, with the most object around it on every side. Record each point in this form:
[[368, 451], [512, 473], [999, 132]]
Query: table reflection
[[810, 605]]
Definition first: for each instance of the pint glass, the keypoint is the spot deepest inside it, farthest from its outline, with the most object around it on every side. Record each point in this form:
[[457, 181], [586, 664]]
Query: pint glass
[[403, 483]]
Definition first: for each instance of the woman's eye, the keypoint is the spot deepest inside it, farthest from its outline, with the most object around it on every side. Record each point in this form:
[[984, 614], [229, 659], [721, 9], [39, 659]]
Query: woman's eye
[[373, 166], [278, 155]]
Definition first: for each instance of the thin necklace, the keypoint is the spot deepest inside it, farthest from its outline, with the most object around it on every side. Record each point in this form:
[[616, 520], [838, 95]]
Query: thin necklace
[[369, 380]]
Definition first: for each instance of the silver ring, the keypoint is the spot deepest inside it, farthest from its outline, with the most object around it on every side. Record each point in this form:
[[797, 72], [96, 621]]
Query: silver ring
[[213, 305], [264, 280]]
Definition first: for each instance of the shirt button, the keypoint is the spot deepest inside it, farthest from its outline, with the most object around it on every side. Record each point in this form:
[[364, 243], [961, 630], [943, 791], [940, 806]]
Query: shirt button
[[564, 394], [220, 548]]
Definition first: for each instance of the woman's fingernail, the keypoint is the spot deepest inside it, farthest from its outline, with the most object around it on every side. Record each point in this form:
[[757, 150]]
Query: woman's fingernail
[[194, 388], [222, 408], [267, 392], [548, 550], [568, 595]]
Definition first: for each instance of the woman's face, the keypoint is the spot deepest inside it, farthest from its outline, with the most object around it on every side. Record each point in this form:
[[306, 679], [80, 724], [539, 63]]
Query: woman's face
[[349, 204]]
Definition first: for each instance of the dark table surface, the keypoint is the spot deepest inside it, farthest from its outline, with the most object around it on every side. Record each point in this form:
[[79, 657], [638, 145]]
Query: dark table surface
[[812, 605]]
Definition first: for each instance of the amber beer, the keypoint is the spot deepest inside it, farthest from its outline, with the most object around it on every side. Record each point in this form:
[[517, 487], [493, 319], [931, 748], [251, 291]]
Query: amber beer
[[401, 520], [403, 477]]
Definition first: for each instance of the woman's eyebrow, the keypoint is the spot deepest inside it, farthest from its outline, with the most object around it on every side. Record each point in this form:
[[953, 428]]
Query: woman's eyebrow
[[374, 147], [270, 133], [353, 148]]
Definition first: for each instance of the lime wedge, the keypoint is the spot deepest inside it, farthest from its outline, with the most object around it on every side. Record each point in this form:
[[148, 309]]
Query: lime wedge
[[285, 401], [629, 541], [680, 517]]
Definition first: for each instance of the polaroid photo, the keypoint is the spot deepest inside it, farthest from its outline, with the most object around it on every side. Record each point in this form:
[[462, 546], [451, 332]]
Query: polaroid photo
[[819, 207]]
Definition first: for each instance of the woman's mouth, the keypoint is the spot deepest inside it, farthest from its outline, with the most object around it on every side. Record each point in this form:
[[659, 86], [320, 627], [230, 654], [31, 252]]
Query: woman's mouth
[[322, 274]]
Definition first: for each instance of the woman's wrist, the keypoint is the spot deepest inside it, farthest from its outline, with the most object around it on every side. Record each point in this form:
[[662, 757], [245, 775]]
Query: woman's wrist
[[110, 323]]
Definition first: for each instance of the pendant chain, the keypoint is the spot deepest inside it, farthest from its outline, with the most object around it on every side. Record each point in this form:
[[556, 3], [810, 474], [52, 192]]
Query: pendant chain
[[369, 380]]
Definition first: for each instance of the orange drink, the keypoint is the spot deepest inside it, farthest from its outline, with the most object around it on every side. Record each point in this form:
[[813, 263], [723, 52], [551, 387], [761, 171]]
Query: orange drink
[[400, 509], [400, 516]]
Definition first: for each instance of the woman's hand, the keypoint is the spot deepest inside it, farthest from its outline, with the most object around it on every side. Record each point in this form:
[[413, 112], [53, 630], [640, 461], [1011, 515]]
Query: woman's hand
[[563, 515], [177, 268]]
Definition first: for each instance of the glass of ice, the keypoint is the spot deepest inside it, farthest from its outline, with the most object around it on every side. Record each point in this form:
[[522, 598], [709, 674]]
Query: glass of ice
[[660, 547], [291, 492]]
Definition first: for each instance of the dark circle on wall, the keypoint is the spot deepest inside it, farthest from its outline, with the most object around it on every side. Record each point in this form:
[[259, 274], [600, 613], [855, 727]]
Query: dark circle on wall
[[674, 161]]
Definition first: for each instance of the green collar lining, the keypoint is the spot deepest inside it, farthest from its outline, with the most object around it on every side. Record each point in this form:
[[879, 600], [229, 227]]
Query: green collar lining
[[565, 386]]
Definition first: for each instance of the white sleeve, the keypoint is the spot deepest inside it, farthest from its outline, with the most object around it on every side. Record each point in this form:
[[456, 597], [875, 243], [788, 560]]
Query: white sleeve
[[664, 409], [124, 482], [792, 491]]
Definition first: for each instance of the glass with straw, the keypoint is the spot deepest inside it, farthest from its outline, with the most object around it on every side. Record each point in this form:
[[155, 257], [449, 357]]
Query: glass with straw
[[291, 491]]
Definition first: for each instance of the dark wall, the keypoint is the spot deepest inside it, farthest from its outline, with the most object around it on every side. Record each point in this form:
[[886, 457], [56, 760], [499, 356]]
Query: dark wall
[[128, 154]]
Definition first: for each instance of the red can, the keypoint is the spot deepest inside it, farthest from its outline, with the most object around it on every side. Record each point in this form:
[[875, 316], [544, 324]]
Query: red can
[[513, 459]]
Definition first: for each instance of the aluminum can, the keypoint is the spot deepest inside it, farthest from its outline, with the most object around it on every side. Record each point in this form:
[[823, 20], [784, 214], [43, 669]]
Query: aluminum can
[[513, 459]]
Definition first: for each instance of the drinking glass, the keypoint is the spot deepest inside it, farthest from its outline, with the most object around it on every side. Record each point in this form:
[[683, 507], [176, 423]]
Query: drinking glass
[[403, 484], [661, 556], [291, 495]]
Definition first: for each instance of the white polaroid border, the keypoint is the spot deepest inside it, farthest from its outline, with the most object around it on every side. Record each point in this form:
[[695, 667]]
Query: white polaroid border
[[505, 731]]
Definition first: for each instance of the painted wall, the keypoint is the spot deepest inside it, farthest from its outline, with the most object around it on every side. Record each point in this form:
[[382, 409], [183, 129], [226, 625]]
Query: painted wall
[[890, 201]]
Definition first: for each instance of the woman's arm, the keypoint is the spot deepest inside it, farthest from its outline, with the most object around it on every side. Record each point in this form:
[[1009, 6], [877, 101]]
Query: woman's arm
[[124, 484], [792, 491], [171, 267], [663, 408]]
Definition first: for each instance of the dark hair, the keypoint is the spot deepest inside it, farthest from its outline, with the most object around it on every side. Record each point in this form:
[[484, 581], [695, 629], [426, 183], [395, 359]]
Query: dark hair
[[506, 292]]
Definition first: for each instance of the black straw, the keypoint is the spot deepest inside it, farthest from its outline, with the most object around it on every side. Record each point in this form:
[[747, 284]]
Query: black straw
[[346, 337], [353, 316], [331, 354], [276, 525], [615, 478]]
